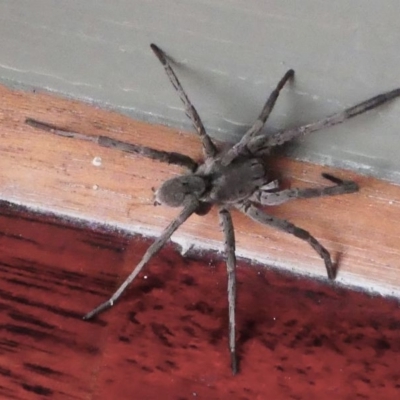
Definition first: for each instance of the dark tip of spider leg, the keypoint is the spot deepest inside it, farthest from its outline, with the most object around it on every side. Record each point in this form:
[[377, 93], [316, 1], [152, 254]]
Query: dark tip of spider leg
[[332, 178], [154, 47], [234, 363], [330, 267], [290, 73], [102, 307], [159, 53], [349, 186], [332, 272]]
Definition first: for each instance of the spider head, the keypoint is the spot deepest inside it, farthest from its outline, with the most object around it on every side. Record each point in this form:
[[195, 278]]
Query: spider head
[[175, 191]]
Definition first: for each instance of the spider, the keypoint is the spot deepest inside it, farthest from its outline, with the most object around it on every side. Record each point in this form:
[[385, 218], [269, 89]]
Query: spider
[[234, 178]]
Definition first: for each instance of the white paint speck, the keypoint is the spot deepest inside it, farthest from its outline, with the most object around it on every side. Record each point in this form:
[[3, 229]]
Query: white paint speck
[[95, 187], [96, 161]]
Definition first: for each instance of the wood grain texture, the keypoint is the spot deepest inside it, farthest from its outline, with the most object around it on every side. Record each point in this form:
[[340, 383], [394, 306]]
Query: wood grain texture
[[167, 338], [79, 180]]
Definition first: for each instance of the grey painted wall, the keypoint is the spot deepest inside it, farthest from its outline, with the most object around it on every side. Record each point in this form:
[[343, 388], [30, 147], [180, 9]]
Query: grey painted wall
[[230, 54]]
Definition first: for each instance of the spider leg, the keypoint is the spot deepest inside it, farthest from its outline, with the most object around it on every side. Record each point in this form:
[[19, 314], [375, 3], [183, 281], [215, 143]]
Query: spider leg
[[189, 209], [260, 216], [259, 145], [208, 146], [274, 198], [239, 147], [229, 245], [105, 141]]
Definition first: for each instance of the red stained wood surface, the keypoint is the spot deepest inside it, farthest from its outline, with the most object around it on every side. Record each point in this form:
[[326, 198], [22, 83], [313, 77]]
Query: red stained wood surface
[[167, 337]]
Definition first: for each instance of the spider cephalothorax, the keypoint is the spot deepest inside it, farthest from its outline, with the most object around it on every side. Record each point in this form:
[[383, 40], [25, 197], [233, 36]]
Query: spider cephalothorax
[[236, 178]]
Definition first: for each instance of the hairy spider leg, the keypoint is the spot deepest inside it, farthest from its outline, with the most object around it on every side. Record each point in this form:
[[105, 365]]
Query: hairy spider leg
[[208, 146], [262, 144], [105, 141], [260, 216], [188, 210], [240, 147], [229, 247], [267, 198]]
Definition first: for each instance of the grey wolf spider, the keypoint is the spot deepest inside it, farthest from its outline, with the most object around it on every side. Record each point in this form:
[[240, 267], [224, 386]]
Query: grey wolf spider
[[235, 178]]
